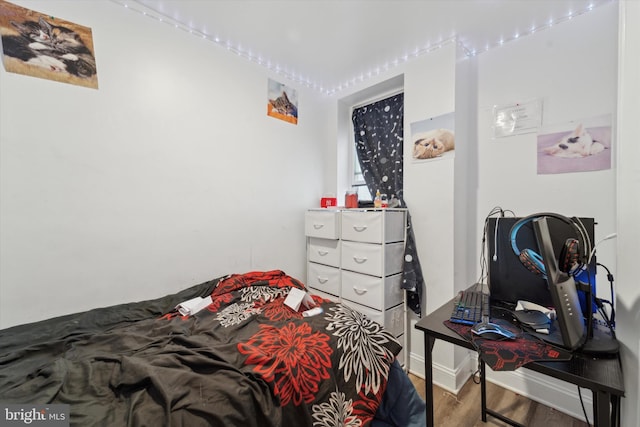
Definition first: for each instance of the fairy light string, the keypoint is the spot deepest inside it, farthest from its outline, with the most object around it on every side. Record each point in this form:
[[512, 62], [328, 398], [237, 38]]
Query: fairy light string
[[298, 78]]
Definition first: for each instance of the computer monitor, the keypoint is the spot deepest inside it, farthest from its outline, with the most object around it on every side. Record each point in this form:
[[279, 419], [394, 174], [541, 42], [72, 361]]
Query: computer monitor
[[562, 289], [510, 281]]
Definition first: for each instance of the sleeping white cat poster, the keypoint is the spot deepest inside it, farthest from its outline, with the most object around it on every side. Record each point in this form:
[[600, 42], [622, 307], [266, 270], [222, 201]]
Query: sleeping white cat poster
[[434, 138], [44, 46], [578, 146]]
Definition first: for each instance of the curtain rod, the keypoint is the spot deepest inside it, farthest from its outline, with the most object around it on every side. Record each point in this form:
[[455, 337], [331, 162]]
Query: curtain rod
[[378, 97]]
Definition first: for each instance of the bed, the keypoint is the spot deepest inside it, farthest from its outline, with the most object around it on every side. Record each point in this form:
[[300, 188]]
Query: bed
[[246, 359]]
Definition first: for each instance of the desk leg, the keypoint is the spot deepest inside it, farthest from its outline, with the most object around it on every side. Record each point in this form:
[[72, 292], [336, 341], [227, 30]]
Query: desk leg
[[602, 411], [615, 411], [483, 390], [428, 377]]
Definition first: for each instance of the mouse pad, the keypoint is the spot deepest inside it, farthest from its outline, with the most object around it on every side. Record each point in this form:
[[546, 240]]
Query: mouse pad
[[509, 355]]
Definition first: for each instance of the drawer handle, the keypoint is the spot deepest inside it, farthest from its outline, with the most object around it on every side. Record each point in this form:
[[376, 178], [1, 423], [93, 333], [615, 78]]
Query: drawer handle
[[322, 253], [359, 228], [360, 260], [323, 280], [318, 226], [359, 291]]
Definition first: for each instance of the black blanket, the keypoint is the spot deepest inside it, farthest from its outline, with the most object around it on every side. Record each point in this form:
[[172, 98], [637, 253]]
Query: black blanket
[[245, 360]]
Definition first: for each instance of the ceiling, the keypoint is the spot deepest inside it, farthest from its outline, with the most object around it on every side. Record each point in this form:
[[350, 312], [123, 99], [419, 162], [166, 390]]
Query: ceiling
[[330, 44]]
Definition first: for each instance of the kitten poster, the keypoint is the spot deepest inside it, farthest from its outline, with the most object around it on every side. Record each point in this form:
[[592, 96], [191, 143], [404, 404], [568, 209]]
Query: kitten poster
[[282, 102], [47, 47], [433, 138], [579, 146]]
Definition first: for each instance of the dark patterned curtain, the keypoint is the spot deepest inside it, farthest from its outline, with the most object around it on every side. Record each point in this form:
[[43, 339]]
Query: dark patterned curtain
[[378, 131]]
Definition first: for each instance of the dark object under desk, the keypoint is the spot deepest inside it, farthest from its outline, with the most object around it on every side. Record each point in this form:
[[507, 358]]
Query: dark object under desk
[[603, 376]]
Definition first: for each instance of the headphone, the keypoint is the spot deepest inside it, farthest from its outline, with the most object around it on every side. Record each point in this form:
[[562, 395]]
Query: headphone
[[572, 259]]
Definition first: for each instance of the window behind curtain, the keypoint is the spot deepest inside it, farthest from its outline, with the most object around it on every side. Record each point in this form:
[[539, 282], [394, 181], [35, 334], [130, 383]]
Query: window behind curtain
[[357, 179]]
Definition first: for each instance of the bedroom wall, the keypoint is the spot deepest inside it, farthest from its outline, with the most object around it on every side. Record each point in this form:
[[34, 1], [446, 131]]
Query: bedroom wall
[[450, 199], [573, 70], [628, 207], [169, 175]]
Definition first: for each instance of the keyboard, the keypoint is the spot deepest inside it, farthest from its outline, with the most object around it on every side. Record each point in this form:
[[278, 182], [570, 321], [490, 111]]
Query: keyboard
[[469, 307]]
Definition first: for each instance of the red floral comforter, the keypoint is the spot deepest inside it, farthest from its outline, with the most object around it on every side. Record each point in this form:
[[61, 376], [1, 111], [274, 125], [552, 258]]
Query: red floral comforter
[[245, 360]]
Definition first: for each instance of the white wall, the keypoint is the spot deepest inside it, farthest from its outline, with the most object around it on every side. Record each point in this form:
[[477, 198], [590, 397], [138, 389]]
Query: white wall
[[430, 92], [450, 201], [628, 208], [169, 175], [573, 69]]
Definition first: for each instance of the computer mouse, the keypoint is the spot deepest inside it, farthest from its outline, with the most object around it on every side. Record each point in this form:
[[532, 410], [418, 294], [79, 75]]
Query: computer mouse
[[492, 331]]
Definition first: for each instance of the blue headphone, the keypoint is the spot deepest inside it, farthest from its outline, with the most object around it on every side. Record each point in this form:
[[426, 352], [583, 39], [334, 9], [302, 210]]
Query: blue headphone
[[571, 257]]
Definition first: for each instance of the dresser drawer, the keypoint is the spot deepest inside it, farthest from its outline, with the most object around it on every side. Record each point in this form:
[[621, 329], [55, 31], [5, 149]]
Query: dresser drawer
[[324, 278], [375, 292], [323, 223], [324, 251], [392, 320], [370, 258], [373, 227]]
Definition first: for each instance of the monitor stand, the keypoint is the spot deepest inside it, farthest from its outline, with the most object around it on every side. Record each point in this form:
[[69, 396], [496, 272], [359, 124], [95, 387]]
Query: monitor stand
[[601, 342]]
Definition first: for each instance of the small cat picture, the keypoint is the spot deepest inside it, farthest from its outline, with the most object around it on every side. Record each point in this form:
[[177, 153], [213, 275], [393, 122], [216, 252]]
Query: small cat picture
[[283, 106], [282, 102], [578, 144], [433, 144]]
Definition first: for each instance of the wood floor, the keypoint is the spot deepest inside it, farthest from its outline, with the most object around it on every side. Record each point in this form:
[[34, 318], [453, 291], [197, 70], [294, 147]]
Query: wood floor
[[464, 410]]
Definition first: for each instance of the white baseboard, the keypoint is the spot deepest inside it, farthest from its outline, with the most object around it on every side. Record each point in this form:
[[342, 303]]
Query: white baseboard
[[548, 391], [551, 392], [451, 380]]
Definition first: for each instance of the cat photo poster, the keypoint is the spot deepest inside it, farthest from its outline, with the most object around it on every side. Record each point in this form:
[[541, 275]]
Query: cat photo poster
[[433, 139], [578, 146], [282, 102], [47, 47]]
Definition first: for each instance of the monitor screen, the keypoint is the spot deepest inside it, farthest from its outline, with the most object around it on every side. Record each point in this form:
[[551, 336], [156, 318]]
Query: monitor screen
[[509, 280]]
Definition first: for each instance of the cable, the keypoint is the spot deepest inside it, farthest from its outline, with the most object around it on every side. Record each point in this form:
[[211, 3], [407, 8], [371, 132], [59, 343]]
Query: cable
[[610, 279], [584, 411], [483, 259], [495, 240], [607, 321], [593, 250], [476, 375]]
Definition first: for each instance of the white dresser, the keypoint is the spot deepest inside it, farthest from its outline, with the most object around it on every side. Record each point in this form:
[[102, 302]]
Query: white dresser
[[355, 256]]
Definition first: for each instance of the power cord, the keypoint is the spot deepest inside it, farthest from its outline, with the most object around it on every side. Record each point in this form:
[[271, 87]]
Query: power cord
[[475, 377], [610, 279], [584, 411], [497, 210]]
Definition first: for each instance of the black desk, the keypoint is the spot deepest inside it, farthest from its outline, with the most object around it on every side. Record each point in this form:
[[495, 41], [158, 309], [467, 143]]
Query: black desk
[[602, 376]]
